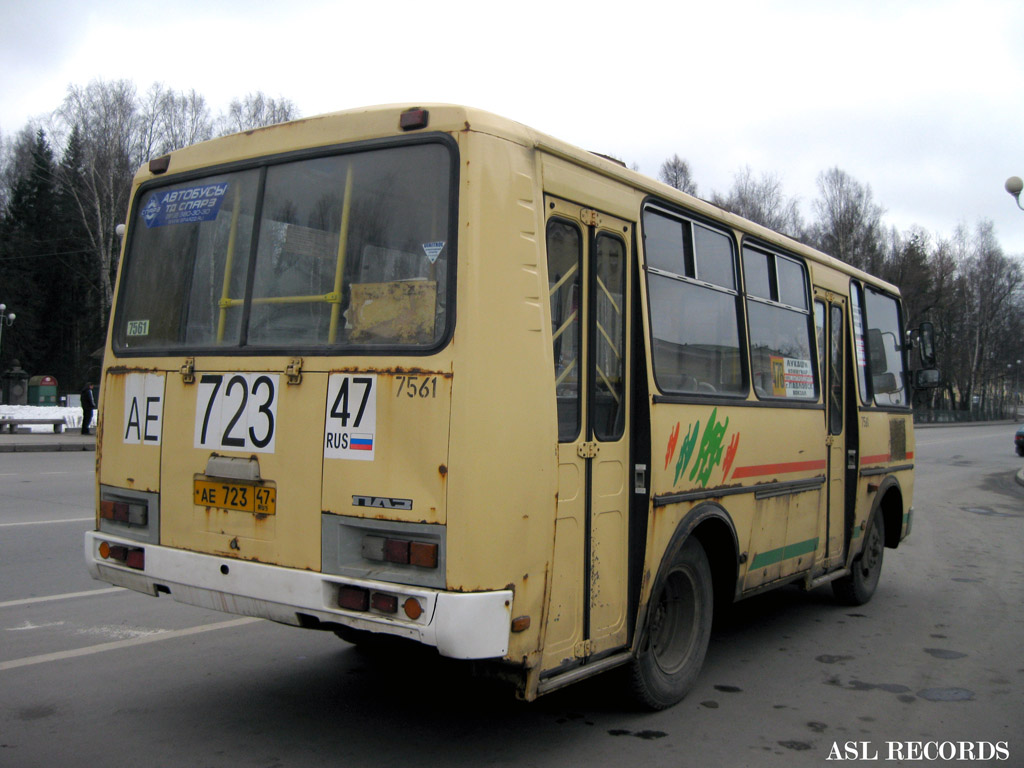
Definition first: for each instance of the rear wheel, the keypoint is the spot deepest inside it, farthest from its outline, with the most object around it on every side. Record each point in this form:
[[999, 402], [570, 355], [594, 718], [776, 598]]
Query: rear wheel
[[678, 629], [859, 586]]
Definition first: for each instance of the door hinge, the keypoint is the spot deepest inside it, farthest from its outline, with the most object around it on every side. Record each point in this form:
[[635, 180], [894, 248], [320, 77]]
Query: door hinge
[[830, 440], [583, 649], [590, 217], [294, 371], [188, 371], [588, 450]]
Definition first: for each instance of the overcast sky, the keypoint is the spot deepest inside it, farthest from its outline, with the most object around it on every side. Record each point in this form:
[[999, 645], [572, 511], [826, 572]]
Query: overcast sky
[[923, 101]]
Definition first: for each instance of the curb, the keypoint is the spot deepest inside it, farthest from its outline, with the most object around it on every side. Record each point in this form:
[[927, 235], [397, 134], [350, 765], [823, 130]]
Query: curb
[[44, 444]]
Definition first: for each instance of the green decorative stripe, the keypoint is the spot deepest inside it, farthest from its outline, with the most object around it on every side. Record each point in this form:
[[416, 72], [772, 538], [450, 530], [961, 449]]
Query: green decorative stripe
[[773, 556]]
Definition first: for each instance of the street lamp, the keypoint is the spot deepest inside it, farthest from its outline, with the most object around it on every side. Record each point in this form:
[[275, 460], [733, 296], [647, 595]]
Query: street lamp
[[1015, 185], [6, 318]]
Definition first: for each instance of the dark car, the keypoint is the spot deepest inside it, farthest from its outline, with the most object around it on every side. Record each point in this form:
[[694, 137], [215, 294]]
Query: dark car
[[1018, 440]]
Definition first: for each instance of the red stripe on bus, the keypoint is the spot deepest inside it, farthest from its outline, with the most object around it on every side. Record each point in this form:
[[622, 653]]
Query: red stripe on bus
[[879, 458], [778, 469]]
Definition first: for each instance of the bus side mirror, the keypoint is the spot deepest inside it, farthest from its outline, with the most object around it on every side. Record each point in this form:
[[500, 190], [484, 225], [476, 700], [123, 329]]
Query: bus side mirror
[[926, 378], [926, 344]]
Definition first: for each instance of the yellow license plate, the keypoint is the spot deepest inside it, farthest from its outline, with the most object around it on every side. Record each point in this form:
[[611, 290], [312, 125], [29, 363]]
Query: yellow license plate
[[244, 497]]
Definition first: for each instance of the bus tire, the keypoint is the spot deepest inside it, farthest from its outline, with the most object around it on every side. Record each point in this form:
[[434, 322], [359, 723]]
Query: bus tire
[[678, 629], [859, 586]]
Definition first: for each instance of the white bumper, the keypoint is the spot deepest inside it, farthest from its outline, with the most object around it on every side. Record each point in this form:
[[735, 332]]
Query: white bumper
[[473, 625]]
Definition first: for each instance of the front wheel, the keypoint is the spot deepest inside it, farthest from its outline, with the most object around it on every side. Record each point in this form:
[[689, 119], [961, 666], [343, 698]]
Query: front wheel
[[859, 586], [678, 629]]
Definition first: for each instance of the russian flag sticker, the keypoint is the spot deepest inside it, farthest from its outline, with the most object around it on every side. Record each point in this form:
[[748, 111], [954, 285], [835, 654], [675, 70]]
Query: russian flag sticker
[[361, 442]]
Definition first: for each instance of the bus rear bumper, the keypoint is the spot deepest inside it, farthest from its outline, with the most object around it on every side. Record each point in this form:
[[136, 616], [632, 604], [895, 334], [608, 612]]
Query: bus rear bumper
[[461, 625]]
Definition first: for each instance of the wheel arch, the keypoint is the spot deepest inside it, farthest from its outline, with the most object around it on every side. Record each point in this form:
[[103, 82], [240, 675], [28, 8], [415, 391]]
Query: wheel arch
[[712, 526], [889, 505]]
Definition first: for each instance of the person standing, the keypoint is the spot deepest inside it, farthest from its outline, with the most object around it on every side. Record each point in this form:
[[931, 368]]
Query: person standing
[[88, 408]]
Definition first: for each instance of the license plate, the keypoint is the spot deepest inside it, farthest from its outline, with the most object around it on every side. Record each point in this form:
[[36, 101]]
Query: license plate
[[243, 497]]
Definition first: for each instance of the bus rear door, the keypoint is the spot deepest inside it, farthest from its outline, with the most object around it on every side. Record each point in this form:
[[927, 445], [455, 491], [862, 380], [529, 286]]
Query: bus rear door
[[588, 274]]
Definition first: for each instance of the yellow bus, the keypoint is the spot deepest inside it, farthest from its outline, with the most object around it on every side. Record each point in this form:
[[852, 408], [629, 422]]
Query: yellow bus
[[425, 372]]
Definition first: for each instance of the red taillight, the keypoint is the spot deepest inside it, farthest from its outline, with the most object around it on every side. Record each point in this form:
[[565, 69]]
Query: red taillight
[[136, 558], [114, 510], [133, 557], [354, 598], [396, 551], [123, 512], [400, 551], [384, 603], [413, 119]]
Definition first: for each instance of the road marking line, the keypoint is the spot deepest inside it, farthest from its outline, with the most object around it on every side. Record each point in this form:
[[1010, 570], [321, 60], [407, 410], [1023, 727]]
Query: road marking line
[[103, 647], [50, 522], [27, 625], [65, 596]]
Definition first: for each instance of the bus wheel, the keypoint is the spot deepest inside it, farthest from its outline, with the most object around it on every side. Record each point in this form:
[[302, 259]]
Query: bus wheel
[[677, 632], [859, 586]]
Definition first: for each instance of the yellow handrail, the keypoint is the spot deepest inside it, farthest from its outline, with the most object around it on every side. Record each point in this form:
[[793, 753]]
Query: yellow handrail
[[224, 298], [339, 270]]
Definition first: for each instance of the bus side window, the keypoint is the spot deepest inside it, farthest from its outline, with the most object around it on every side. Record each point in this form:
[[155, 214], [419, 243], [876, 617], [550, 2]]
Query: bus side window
[[885, 350], [694, 306], [565, 257], [780, 326]]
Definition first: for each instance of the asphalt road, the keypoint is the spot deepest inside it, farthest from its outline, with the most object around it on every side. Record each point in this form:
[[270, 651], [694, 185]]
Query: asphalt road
[[92, 675]]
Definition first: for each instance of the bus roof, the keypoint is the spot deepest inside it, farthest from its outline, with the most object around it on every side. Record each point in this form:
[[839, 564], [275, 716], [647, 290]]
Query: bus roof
[[374, 122]]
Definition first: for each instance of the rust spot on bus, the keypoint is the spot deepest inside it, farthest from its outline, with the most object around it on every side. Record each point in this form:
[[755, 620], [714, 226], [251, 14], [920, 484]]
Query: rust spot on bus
[[692, 495], [118, 370], [395, 371]]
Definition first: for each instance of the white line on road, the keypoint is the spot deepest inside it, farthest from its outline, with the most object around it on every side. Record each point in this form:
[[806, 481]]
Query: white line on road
[[103, 647], [36, 474], [65, 596], [50, 522]]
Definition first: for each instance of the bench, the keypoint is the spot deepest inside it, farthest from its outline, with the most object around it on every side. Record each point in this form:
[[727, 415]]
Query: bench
[[58, 424]]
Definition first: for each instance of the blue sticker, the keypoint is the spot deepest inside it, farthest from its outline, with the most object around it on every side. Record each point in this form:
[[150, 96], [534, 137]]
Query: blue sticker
[[190, 205], [433, 250]]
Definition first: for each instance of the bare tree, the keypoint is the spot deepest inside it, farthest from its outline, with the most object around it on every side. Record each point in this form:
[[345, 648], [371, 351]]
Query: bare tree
[[5, 164], [170, 120], [762, 201], [995, 280], [113, 144], [849, 223], [255, 111], [676, 173], [185, 120]]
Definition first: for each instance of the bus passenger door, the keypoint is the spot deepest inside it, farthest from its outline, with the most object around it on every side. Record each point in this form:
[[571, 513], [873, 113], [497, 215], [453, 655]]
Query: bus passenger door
[[588, 275], [829, 319]]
